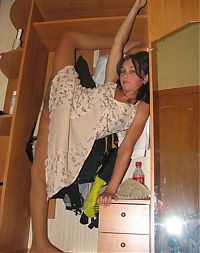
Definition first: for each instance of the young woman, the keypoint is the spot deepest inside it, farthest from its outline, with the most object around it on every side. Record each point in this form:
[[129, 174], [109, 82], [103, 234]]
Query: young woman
[[73, 117]]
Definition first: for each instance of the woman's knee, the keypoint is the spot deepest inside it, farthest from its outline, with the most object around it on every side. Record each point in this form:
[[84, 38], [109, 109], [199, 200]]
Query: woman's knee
[[68, 39], [64, 52]]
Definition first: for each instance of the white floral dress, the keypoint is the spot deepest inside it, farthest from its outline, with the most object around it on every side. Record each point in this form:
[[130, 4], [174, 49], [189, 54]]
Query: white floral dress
[[79, 116]]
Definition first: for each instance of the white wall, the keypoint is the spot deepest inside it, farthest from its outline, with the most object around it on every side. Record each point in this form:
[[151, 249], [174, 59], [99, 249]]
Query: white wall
[[8, 33]]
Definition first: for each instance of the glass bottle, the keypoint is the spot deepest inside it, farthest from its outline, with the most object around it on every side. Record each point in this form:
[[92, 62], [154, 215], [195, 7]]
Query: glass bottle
[[138, 173], [12, 102]]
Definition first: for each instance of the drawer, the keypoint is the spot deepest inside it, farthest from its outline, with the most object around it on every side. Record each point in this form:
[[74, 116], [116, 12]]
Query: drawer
[[124, 218], [123, 243]]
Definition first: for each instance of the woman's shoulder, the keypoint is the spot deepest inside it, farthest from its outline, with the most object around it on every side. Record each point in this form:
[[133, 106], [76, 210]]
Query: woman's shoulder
[[143, 107]]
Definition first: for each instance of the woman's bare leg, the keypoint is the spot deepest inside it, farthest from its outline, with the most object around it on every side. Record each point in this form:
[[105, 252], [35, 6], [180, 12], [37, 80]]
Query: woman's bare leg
[[64, 55], [38, 195], [66, 48]]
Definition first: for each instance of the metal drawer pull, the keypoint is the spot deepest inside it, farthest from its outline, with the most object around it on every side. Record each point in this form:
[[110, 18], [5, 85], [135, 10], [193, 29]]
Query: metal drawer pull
[[123, 214], [123, 244]]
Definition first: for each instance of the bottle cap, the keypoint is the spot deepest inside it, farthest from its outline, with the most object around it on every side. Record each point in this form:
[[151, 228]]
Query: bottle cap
[[138, 163], [19, 34]]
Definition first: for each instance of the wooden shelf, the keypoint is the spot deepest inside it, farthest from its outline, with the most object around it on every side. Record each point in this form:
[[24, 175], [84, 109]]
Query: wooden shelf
[[51, 31], [10, 63], [5, 124], [68, 9]]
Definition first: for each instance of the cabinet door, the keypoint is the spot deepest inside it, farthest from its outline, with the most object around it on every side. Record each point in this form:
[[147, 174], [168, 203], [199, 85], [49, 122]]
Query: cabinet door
[[176, 138], [167, 16]]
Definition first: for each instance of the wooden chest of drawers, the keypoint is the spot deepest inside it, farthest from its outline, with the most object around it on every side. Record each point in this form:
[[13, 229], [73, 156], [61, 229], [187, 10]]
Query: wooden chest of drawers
[[125, 227]]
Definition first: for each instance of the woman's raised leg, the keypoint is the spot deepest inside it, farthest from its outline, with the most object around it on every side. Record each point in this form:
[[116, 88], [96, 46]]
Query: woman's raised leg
[[70, 41], [64, 55]]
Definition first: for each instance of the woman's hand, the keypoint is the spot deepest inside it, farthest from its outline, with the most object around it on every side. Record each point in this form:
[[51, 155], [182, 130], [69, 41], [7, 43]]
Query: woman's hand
[[140, 3], [105, 198]]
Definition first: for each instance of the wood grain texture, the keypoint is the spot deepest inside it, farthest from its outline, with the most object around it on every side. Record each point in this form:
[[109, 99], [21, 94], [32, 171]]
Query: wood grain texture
[[124, 218], [123, 243], [165, 16], [69, 9], [50, 32], [10, 63]]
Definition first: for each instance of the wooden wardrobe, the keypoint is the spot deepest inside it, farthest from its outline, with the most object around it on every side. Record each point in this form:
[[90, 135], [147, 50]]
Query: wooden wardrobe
[[28, 69]]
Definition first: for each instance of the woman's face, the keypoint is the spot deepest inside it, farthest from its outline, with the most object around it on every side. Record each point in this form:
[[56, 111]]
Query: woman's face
[[129, 80]]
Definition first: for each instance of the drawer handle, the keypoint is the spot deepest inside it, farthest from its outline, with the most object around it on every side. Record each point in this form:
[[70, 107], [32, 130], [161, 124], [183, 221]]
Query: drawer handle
[[123, 214], [123, 244]]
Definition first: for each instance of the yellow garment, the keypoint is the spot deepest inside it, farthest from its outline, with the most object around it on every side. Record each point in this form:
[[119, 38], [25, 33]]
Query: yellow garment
[[89, 207]]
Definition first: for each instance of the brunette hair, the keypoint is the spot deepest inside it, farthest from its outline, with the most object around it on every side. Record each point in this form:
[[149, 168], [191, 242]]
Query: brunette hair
[[140, 62]]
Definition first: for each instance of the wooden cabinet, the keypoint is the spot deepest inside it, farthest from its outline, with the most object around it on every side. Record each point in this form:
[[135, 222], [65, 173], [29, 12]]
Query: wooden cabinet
[[28, 70], [167, 16], [13, 189], [15, 129], [125, 227], [176, 134]]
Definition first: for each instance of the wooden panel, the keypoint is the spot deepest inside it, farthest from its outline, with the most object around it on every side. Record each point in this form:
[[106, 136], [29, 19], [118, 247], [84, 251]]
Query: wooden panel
[[19, 13], [179, 149], [15, 211], [167, 16], [50, 32], [123, 243], [177, 164], [70, 9], [3, 155], [1, 189], [5, 124], [30, 94], [52, 209], [153, 106], [132, 219], [131, 201], [10, 63]]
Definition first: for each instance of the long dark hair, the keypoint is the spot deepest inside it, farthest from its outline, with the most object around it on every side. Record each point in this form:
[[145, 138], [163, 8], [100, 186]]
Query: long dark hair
[[140, 62]]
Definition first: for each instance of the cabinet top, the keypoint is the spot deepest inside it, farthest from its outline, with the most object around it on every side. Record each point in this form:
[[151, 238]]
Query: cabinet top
[[69, 9], [132, 201]]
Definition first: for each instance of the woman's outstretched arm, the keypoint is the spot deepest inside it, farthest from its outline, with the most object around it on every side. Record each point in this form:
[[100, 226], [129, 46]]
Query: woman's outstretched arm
[[70, 41], [125, 152], [120, 41]]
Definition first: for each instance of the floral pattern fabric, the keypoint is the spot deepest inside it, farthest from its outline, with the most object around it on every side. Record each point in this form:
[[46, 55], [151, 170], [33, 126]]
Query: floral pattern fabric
[[79, 116]]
